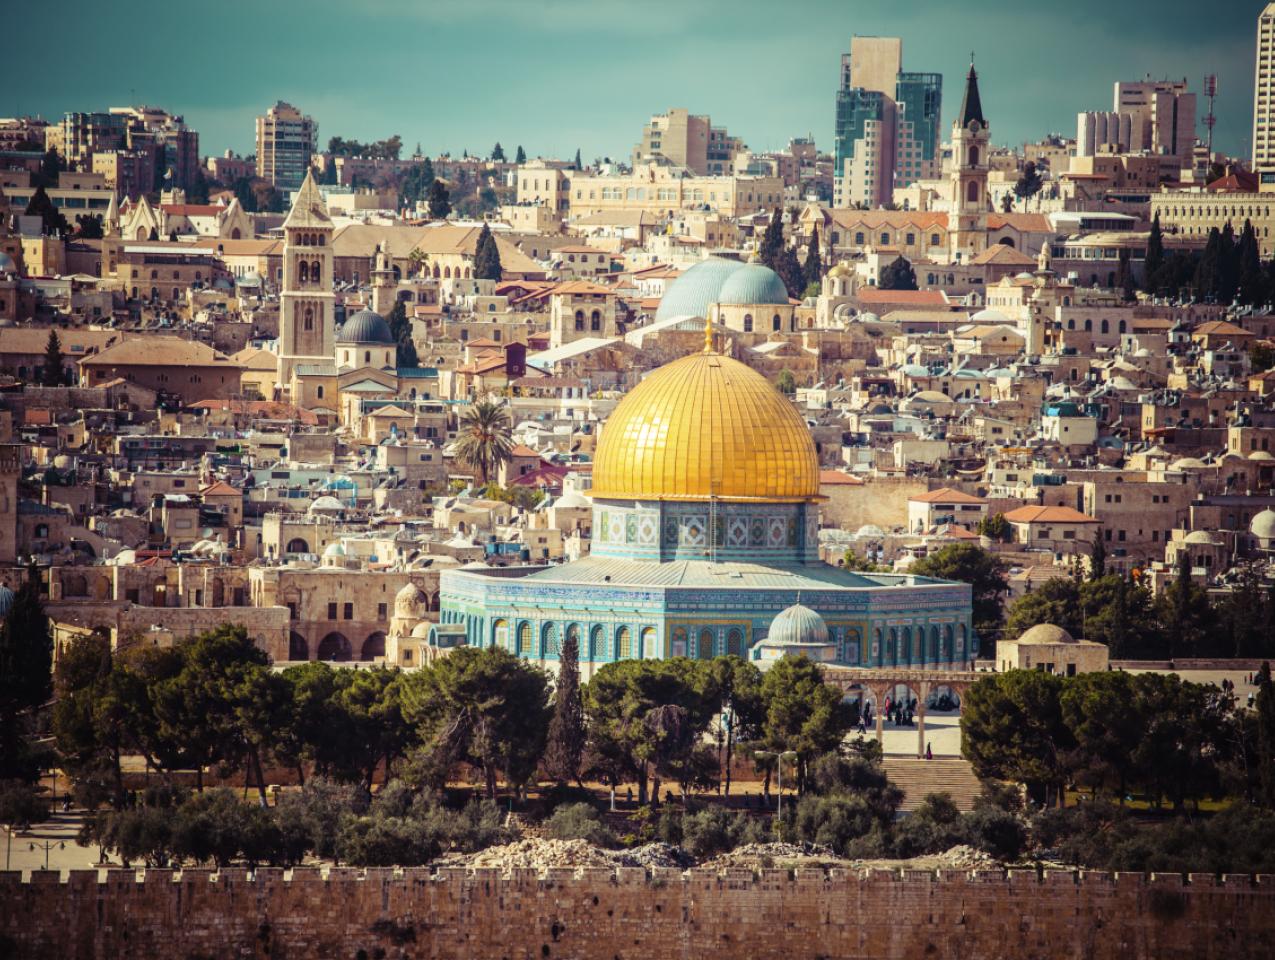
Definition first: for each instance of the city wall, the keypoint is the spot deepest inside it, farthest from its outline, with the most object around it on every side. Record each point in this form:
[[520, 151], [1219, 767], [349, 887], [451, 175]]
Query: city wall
[[459, 914]]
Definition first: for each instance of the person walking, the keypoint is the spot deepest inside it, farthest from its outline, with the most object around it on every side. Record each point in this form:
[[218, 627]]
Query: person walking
[[929, 754]]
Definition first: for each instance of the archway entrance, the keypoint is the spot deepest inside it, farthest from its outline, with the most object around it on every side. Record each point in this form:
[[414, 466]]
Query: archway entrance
[[335, 647]]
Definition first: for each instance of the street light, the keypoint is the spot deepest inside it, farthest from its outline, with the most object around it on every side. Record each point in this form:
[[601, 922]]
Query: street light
[[46, 846], [779, 765]]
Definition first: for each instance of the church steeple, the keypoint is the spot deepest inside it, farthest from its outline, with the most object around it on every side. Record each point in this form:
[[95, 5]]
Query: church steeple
[[971, 104]]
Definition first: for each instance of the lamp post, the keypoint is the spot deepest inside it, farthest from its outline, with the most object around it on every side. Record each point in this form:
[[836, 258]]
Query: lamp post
[[46, 846], [780, 757]]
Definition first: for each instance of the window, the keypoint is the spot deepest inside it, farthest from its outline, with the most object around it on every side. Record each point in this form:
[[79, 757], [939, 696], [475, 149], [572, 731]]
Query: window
[[331, 611], [748, 323], [348, 612], [524, 638], [381, 611], [776, 323], [624, 643]]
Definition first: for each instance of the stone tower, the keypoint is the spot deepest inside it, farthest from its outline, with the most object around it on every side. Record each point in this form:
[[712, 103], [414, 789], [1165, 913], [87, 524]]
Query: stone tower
[[384, 286], [306, 303], [967, 216]]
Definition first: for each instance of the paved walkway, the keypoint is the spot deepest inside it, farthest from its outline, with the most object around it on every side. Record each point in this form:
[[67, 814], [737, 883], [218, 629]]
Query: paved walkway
[[61, 830]]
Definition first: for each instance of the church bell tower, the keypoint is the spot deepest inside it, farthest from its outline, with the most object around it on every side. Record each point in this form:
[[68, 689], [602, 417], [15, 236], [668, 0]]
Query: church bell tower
[[967, 216], [307, 316]]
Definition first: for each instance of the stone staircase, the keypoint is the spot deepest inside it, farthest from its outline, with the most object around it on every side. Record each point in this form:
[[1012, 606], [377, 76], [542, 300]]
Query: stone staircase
[[916, 778]]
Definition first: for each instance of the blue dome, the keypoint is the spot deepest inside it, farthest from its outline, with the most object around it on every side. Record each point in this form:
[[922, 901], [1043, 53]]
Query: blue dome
[[365, 327], [751, 284], [6, 600], [691, 293], [798, 624]]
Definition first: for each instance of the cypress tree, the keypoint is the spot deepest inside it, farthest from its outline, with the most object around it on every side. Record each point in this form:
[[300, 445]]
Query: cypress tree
[[565, 748], [789, 270], [53, 361], [1252, 279], [498, 153], [812, 270], [521, 155], [1228, 266], [899, 275], [26, 673], [401, 328], [440, 202], [1208, 270], [772, 241], [1154, 261], [577, 165], [487, 257]]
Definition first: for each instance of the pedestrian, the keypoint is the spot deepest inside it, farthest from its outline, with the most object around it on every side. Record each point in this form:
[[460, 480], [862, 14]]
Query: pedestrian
[[929, 754], [628, 796]]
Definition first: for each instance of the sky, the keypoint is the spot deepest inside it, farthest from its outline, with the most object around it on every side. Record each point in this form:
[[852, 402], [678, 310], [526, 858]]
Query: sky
[[557, 75]]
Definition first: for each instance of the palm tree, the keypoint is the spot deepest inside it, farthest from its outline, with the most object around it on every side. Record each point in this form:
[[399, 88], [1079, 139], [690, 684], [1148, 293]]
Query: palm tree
[[484, 442]]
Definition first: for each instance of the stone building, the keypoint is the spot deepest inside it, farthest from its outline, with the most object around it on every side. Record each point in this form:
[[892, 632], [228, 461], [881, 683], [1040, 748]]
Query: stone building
[[1053, 650]]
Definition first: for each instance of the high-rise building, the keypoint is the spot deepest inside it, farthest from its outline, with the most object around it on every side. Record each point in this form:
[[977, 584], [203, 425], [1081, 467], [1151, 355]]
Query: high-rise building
[[689, 141], [175, 146], [1161, 117], [887, 123], [1264, 100], [1097, 130], [286, 140]]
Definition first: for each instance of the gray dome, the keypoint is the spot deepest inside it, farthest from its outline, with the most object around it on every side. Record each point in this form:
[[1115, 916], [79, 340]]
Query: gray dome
[[365, 327], [691, 293], [1045, 633], [1263, 525], [798, 625], [6, 600], [753, 283]]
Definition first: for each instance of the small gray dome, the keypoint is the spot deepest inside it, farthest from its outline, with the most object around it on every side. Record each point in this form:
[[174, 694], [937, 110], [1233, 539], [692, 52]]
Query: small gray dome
[[365, 327], [1045, 633], [799, 625]]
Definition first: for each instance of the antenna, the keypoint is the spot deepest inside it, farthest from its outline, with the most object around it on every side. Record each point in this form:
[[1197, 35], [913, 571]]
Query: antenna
[[1210, 91]]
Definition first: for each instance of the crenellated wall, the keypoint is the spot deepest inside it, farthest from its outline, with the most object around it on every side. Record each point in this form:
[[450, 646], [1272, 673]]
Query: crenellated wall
[[630, 913]]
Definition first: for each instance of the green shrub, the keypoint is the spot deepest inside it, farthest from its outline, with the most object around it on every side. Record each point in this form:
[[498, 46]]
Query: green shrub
[[579, 821]]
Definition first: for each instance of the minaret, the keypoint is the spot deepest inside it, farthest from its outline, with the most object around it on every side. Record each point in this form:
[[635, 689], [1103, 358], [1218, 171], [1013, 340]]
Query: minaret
[[383, 283], [306, 303], [967, 212]]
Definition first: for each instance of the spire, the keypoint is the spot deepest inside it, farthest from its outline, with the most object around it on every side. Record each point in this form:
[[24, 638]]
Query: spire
[[708, 333], [971, 105], [308, 207]]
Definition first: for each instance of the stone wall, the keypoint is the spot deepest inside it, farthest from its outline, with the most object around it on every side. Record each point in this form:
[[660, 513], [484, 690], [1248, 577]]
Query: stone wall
[[629, 913]]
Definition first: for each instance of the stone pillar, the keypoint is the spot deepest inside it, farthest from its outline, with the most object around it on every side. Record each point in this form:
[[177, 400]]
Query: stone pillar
[[880, 717], [920, 718]]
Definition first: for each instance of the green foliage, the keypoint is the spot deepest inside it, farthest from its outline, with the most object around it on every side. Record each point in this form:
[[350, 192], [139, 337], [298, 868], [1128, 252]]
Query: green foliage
[[26, 677], [995, 527], [772, 242], [388, 149], [789, 269], [439, 200], [89, 226], [487, 256], [484, 440], [812, 269], [51, 373], [564, 752], [311, 817], [401, 329], [1029, 182], [498, 153], [786, 382], [521, 155], [484, 707], [579, 821], [852, 561], [979, 568], [20, 804], [1153, 263], [416, 182], [934, 826], [715, 830], [803, 714], [54, 223], [898, 275]]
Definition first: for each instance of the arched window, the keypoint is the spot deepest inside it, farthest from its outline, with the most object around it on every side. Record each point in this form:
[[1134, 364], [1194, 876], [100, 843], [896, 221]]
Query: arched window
[[885, 238], [892, 648], [678, 648], [580, 321], [573, 634], [315, 272], [946, 656], [850, 646], [304, 271], [1123, 326], [1088, 326], [298, 648], [905, 650], [704, 646], [623, 643], [595, 321], [648, 642], [776, 322], [500, 634], [878, 645], [308, 322], [735, 643], [858, 238], [597, 644], [549, 641], [524, 638], [974, 156], [1106, 327], [934, 239], [748, 323], [318, 392], [971, 192]]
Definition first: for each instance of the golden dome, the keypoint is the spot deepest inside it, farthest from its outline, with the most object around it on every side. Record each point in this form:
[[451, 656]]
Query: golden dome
[[702, 427]]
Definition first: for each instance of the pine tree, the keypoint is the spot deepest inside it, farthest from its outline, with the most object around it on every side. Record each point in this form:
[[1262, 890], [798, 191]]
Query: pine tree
[[52, 375], [789, 269], [577, 165], [1154, 261], [401, 328], [440, 202], [26, 673], [487, 257], [53, 223], [521, 155], [1097, 558], [565, 747], [812, 270], [498, 153], [1029, 183], [899, 275], [1124, 278]]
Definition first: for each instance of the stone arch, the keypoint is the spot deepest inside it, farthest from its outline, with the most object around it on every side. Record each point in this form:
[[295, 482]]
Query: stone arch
[[579, 321], [524, 638], [776, 322], [297, 545], [336, 647], [373, 647], [75, 585], [316, 272], [932, 654], [1006, 241], [851, 646], [303, 272], [647, 641], [748, 323], [550, 644], [298, 647]]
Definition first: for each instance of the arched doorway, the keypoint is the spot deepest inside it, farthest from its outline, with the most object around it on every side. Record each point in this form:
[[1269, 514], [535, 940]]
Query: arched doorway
[[298, 647], [373, 647], [298, 545], [335, 647]]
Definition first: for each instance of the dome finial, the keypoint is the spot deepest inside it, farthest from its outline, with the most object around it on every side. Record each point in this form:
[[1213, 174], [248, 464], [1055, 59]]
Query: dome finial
[[708, 332]]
